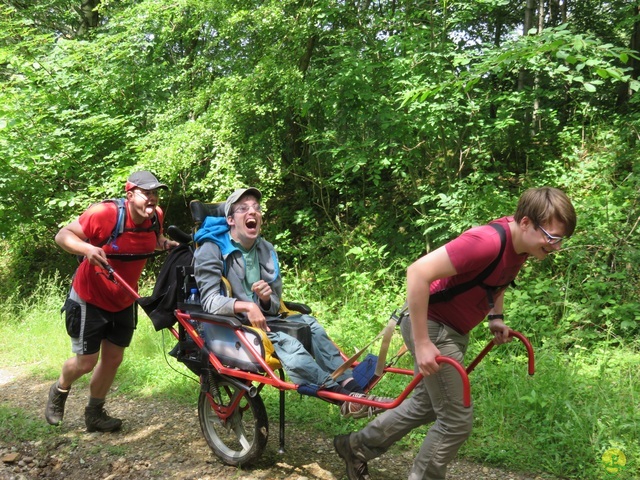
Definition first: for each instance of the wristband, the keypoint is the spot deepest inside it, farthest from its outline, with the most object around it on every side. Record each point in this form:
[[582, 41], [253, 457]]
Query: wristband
[[496, 316]]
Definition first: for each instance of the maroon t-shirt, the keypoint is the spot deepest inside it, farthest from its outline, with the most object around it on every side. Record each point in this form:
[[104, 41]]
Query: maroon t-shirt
[[98, 222], [470, 254]]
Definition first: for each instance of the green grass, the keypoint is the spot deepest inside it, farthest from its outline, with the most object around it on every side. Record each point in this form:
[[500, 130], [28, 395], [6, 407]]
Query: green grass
[[16, 426], [579, 404], [33, 335]]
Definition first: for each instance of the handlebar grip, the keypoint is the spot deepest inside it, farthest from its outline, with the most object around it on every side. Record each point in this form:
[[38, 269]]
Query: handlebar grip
[[118, 280], [466, 393], [178, 235]]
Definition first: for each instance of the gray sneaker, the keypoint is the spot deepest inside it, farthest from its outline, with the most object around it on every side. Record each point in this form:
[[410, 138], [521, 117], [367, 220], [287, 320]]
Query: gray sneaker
[[356, 468], [97, 420], [54, 411]]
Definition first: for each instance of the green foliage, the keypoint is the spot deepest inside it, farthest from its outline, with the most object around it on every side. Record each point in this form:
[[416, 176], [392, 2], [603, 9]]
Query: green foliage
[[472, 201], [376, 134]]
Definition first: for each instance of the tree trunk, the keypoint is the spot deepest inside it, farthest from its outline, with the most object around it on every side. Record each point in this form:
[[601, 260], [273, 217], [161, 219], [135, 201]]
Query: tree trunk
[[89, 15], [529, 22], [497, 38], [624, 92], [535, 117], [525, 79]]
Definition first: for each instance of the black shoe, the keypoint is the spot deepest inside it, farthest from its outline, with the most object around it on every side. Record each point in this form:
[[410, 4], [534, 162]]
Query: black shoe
[[54, 410], [97, 420], [356, 468]]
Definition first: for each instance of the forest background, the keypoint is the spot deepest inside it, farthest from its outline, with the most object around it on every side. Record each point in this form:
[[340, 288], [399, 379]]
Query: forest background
[[376, 130]]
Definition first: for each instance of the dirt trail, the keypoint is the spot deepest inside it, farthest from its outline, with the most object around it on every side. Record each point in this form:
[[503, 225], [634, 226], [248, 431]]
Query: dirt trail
[[162, 440]]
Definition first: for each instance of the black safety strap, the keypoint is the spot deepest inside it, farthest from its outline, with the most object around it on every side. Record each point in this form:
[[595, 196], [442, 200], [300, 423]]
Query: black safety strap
[[449, 293], [130, 257]]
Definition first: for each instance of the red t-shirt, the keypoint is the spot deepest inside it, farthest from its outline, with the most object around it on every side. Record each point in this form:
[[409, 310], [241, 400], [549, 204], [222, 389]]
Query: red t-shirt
[[470, 254], [98, 222]]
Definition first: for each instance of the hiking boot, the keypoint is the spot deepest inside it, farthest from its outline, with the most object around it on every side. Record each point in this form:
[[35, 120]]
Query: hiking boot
[[54, 410], [97, 420], [356, 468], [359, 410]]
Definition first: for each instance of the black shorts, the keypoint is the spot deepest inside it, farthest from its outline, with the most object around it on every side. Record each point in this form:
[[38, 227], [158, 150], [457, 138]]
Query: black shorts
[[88, 325]]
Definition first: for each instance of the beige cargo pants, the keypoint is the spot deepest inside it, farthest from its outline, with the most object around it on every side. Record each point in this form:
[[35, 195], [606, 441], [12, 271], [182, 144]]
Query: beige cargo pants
[[438, 398]]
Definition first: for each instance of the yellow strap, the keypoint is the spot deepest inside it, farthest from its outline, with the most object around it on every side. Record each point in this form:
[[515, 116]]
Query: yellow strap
[[387, 333], [340, 370], [269, 351], [284, 311], [227, 287]]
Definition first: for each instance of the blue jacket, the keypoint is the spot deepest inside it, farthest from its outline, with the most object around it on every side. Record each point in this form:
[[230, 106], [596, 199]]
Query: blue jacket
[[216, 257]]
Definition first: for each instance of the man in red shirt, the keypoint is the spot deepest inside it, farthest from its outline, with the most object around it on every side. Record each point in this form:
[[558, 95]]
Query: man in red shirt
[[100, 316], [544, 218]]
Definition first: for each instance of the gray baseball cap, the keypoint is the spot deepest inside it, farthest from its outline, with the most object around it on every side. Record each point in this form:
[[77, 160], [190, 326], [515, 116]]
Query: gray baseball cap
[[143, 179], [235, 196]]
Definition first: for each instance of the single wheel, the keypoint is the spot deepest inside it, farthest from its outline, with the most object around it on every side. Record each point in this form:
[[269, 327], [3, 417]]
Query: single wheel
[[240, 438]]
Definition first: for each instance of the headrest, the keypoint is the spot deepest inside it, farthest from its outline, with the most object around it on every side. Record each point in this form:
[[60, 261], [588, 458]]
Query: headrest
[[199, 210]]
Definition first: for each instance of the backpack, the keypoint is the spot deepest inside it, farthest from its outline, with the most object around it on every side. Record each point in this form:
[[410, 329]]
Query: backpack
[[119, 228], [448, 294], [168, 290]]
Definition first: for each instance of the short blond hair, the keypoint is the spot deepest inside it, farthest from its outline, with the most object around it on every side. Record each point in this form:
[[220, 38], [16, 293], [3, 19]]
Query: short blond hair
[[544, 204]]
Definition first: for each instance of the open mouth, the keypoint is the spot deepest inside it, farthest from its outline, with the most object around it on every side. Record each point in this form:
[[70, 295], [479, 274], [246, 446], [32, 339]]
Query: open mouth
[[251, 223]]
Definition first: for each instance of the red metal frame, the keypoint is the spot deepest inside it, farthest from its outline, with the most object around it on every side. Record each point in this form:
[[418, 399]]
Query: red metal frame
[[489, 347], [269, 377]]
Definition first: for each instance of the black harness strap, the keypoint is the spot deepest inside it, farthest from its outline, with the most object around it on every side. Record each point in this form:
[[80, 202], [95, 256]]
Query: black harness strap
[[130, 257], [449, 293]]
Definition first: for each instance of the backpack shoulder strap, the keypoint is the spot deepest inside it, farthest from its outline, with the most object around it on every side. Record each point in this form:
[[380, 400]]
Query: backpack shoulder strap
[[120, 221], [121, 217], [492, 266], [448, 293], [120, 228]]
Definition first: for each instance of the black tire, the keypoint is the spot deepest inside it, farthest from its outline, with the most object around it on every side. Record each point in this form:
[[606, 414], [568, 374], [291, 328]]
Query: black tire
[[241, 438]]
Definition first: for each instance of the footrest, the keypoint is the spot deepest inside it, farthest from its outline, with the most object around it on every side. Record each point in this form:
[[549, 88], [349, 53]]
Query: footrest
[[365, 371], [310, 390]]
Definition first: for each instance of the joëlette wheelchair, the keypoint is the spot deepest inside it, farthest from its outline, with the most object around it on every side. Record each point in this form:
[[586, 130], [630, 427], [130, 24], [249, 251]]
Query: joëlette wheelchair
[[233, 365]]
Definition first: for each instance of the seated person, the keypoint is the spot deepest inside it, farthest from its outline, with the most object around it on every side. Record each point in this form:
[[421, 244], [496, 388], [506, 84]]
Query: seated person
[[232, 247]]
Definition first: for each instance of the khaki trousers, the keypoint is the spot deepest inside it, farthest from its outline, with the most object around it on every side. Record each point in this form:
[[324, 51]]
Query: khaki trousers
[[437, 398]]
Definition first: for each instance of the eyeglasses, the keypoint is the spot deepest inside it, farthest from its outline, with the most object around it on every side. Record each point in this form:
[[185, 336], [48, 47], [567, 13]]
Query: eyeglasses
[[145, 194], [551, 239], [245, 208]]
